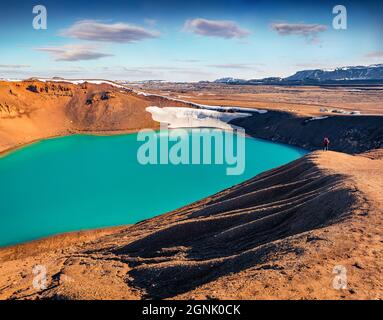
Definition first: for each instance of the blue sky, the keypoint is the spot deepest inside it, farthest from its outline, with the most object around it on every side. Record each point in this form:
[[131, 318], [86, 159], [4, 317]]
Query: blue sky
[[179, 41]]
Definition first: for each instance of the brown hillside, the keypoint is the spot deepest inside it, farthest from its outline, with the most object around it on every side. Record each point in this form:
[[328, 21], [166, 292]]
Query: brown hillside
[[32, 110]]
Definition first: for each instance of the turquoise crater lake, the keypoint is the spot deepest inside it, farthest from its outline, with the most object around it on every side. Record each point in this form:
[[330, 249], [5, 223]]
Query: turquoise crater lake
[[83, 182]]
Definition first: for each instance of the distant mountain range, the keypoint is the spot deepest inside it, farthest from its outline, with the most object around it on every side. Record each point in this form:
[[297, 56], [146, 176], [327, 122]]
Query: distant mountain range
[[357, 74]]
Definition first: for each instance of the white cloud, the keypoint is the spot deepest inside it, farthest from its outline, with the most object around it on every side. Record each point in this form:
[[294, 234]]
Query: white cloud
[[14, 66], [73, 52], [215, 28], [116, 32], [231, 66], [309, 31], [375, 54]]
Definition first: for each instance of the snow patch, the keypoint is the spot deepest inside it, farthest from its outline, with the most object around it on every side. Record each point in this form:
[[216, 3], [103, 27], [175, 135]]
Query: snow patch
[[194, 118], [318, 118], [232, 109], [11, 80], [81, 81], [202, 106], [340, 111]]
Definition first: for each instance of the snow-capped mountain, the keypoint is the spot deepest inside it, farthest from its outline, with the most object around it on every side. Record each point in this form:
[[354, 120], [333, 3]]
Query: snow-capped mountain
[[373, 72], [229, 80], [344, 74]]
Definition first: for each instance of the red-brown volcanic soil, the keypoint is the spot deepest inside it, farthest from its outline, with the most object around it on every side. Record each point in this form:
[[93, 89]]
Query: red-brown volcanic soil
[[33, 110]]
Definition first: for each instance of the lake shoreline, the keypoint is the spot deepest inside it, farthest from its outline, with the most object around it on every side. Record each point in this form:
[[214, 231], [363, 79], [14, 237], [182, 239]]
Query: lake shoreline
[[281, 127], [54, 242], [246, 164], [105, 133], [266, 134]]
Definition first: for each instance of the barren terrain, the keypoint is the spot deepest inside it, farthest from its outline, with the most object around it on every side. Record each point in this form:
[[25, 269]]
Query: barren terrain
[[304, 101], [277, 236]]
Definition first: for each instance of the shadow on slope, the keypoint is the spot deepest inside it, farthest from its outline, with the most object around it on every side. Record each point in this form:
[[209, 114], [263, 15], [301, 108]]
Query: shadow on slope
[[237, 228]]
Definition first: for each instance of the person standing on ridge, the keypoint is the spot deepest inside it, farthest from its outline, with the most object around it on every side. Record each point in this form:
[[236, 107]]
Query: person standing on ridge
[[326, 143]]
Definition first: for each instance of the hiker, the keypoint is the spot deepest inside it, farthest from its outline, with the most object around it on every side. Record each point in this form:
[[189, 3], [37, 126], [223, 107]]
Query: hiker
[[326, 143]]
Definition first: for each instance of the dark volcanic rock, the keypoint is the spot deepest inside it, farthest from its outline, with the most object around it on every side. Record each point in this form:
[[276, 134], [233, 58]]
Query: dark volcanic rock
[[351, 134]]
